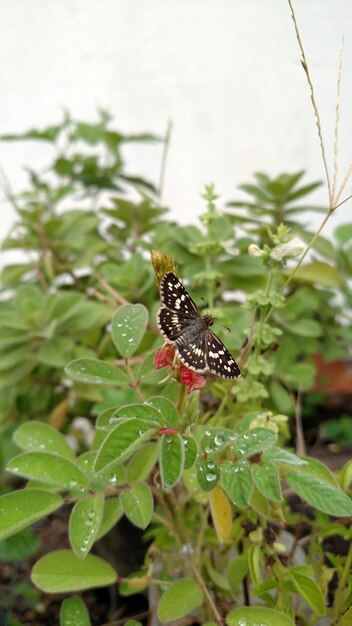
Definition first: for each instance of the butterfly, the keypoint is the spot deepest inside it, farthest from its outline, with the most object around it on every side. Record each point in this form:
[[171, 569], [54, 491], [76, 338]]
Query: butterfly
[[180, 321]]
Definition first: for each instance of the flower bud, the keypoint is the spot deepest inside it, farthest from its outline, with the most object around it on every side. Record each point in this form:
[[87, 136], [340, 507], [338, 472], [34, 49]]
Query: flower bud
[[254, 250]]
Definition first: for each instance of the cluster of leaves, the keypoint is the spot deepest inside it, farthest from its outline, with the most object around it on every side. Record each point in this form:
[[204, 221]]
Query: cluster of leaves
[[202, 473]]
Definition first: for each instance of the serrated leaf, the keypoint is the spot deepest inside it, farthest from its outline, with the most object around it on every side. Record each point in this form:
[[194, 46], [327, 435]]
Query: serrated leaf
[[62, 571], [180, 599], [21, 508], [122, 442], [39, 436], [266, 479], [128, 326], [95, 372], [320, 494], [252, 616], [237, 482], [85, 523], [254, 441], [74, 611], [138, 504], [281, 456], [171, 461], [48, 468]]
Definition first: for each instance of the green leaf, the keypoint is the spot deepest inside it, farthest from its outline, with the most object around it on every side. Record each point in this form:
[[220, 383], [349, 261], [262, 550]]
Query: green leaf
[[237, 482], [318, 273], [191, 451], [320, 494], [167, 409], [62, 572], [172, 458], [20, 546], [74, 611], [346, 618], [180, 599], [143, 411], [138, 505], [142, 463], [308, 589], [21, 508], [343, 233], [133, 583], [236, 571], [254, 615], [95, 372], [266, 479], [41, 437], [128, 327], [48, 468], [305, 328], [208, 474], [318, 469], [254, 441], [281, 397], [122, 442], [281, 456], [113, 511], [254, 556], [85, 523]]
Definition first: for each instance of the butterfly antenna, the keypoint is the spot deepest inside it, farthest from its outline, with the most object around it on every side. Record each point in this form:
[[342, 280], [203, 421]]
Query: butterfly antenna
[[222, 326]]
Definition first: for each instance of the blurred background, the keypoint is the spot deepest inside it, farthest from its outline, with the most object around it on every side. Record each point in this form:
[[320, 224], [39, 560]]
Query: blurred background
[[227, 74]]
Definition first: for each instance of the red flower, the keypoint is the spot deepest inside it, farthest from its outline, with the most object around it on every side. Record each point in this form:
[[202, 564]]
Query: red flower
[[164, 357], [191, 379]]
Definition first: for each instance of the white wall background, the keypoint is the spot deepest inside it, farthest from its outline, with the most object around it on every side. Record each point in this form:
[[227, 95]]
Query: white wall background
[[226, 72]]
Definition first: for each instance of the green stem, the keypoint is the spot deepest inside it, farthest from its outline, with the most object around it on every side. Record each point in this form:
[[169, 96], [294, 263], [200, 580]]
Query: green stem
[[301, 259], [133, 382], [262, 318], [181, 398], [341, 585]]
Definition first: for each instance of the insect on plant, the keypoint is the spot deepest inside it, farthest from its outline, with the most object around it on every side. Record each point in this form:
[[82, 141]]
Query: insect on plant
[[180, 321]]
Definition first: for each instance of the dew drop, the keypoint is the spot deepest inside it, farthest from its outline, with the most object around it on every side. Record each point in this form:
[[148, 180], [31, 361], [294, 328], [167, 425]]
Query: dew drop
[[210, 477], [219, 439]]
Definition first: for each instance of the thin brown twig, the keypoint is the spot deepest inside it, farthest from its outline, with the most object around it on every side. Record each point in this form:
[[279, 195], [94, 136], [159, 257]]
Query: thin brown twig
[[337, 120], [300, 443], [313, 100], [117, 296], [343, 185], [203, 586]]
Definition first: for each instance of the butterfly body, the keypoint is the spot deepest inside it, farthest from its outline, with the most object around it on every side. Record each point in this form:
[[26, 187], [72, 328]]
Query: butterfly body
[[180, 321]]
